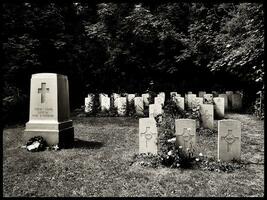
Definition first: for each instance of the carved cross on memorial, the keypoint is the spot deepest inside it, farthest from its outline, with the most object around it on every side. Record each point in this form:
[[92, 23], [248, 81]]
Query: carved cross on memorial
[[148, 134], [43, 90], [229, 139], [187, 137]]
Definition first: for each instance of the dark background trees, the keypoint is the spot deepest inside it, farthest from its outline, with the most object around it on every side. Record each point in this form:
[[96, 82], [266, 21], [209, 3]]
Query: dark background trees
[[121, 47]]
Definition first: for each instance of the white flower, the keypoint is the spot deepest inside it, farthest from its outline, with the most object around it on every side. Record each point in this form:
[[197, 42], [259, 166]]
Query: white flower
[[178, 165], [200, 154], [172, 140], [170, 152], [197, 159], [180, 147], [187, 149]]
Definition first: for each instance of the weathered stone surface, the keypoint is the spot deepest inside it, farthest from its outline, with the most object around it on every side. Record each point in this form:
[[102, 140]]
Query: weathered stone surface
[[162, 94], [229, 140], [104, 102], [219, 107], [130, 99], [197, 102], [122, 106], [139, 106], [49, 110], [148, 136], [185, 131], [114, 99], [190, 99], [159, 100], [207, 115]]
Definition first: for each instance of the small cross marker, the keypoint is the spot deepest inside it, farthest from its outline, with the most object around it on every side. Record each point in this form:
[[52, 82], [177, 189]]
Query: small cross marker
[[43, 90]]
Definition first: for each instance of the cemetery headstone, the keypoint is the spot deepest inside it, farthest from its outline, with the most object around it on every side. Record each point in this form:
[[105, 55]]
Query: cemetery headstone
[[89, 103], [219, 107], [179, 102], [146, 99], [162, 94], [236, 102], [197, 101], [208, 98], [214, 93], [201, 93], [114, 99], [229, 96], [189, 92], [207, 115], [122, 106], [49, 110], [229, 140], [148, 136], [159, 100], [139, 106], [130, 99], [104, 102], [190, 99], [225, 101], [155, 110], [185, 131]]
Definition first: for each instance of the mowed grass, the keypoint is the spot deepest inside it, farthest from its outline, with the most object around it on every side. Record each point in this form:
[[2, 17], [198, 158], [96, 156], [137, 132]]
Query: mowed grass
[[101, 165]]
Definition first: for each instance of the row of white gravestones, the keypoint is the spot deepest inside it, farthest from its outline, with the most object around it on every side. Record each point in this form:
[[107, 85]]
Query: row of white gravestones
[[229, 137]]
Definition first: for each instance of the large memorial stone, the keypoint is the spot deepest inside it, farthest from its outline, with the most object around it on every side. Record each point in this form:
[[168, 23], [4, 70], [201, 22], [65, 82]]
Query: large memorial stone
[[89, 103], [49, 110], [146, 97], [229, 140], [139, 106], [179, 102], [201, 93], [225, 101], [219, 107], [148, 136], [185, 131], [208, 98], [155, 110], [207, 115], [122, 106], [236, 102]]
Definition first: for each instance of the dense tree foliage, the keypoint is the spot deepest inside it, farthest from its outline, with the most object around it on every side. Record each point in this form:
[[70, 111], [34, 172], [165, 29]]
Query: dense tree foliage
[[117, 47]]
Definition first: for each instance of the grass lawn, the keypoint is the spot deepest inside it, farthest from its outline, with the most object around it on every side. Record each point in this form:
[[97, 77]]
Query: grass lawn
[[100, 164]]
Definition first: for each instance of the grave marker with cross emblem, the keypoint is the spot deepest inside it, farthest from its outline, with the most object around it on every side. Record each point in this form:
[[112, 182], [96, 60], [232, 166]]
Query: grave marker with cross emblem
[[207, 115], [49, 110], [185, 131], [148, 136], [229, 140]]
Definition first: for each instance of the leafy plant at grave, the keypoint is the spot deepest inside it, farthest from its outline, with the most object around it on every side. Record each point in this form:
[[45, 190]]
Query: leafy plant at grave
[[130, 109], [193, 113], [211, 164], [172, 109]]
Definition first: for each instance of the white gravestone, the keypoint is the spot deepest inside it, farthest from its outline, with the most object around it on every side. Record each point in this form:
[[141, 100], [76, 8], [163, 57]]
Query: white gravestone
[[225, 101], [189, 92], [179, 102], [201, 93], [155, 110], [89, 103], [229, 140], [185, 131], [207, 115], [122, 106], [139, 106], [130, 99], [104, 102], [173, 94], [146, 99], [190, 99], [208, 98], [114, 99], [236, 102], [219, 107], [148, 136], [159, 100], [49, 110]]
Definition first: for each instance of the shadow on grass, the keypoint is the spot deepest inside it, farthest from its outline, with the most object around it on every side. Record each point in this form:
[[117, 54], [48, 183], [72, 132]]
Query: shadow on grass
[[82, 144]]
